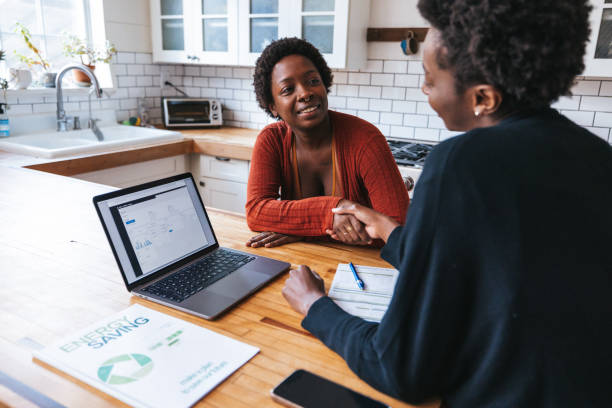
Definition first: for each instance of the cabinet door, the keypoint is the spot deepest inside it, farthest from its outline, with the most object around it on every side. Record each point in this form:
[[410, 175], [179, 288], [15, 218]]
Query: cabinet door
[[223, 194], [598, 58], [169, 26], [215, 32], [260, 24]]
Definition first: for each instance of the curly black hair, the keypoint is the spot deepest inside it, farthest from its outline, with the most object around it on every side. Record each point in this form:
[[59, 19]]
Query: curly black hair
[[530, 50], [276, 51]]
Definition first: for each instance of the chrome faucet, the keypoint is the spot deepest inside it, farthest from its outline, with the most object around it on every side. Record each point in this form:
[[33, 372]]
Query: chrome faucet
[[62, 119]]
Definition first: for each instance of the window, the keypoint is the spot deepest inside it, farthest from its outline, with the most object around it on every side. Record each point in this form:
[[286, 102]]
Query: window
[[47, 21]]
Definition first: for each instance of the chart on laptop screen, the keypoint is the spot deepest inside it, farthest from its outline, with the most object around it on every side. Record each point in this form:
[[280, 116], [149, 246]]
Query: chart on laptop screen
[[162, 228]]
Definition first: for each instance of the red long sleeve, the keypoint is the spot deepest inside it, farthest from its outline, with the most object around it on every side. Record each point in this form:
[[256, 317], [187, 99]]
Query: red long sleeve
[[369, 176]]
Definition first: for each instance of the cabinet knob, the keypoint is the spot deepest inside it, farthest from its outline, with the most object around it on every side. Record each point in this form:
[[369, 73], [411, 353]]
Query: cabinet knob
[[409, 183], [226, 159], [203, 184]]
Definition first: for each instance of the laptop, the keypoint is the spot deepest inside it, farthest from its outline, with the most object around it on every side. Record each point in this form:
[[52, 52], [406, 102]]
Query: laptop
[[168, 253]]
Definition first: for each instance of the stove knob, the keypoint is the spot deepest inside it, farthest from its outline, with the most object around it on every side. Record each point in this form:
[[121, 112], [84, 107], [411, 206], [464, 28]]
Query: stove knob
[[409, 183]]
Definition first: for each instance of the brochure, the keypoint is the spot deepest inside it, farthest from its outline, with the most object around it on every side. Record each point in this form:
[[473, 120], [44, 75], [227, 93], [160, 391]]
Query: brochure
[[148, 359]]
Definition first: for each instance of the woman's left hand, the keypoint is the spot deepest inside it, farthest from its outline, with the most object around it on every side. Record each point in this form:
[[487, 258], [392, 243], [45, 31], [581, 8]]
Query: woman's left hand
[[271, 239], [303, 288]]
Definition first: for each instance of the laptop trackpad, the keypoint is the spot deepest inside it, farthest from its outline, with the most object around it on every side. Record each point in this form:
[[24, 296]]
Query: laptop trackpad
[[239, 283]]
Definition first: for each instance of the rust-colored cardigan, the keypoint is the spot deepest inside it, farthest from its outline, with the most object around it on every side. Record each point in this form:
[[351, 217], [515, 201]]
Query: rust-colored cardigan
[[369, 176]]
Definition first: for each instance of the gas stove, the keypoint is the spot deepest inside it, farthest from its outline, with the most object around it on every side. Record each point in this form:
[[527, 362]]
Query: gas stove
[[409, 153]]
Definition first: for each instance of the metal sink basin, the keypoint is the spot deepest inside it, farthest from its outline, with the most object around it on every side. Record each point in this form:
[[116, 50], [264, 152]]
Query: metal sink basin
[[58, 144]]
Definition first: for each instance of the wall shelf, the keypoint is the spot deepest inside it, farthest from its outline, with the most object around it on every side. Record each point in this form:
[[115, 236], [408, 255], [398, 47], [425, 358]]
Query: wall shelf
[[396, 34]]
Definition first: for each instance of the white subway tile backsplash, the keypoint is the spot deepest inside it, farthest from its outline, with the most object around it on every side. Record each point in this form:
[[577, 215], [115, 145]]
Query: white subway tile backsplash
[[135, 69], [152, 69], [242, 73], [241, 95], [207, 71], [586, 88], [415, 94], [382, 79], [389, 92], [348, 111], [225, 93], [582, 118], [424, 109], [358, 78], [415, 67], [369, 116], [192, 71], [225, 72], [395, 67], [153, 91], [380, 105], [188, 81], [606, 88], [126, 81], [415, 120], [43, 107], [250, 106], [242, 116], [384, 129], [370, 91], [136, 92], [373, 66], [446, 134], [17, 109], [119, 69], [216, 82], [233, 83], [402, 132], [126, 58], [407, 80], [144, 81], [340, 77], [336, 102], [404, 106], [208, 92], [435, 122], [247, 84], [602, 132], [357, 103], [567, 102], [432, 135], [603, 119], [232, 105], [391, 118], [596, 103], [347, 90], [128, 103], [143, 58], [201, 82]]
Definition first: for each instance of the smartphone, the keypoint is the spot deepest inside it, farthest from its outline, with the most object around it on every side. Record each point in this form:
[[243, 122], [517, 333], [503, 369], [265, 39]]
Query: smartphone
[[303, 389]]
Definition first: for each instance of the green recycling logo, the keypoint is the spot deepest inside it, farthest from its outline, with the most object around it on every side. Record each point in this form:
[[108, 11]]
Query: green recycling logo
[[125, 369]]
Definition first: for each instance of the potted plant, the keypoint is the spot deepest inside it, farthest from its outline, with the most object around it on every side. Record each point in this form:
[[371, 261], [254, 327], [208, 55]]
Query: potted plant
[[48, 77], [88, 55]]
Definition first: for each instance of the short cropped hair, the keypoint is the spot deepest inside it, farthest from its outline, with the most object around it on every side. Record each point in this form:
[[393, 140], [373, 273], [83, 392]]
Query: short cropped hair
[[530, 50], [276, 51]]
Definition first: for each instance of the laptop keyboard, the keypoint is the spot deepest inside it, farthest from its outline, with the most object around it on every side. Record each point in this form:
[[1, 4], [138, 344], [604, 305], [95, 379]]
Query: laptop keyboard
[[199, 275]]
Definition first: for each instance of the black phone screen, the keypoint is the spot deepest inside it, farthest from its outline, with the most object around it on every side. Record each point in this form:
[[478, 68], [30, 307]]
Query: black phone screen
[[309, 390]]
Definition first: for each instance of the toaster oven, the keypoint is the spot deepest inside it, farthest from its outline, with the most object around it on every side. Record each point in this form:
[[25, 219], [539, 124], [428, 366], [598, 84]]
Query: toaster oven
[[180, 112]]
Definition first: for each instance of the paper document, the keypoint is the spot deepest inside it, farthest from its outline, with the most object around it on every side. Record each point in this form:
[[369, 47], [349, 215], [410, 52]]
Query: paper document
[[370, 303], [148, 359]]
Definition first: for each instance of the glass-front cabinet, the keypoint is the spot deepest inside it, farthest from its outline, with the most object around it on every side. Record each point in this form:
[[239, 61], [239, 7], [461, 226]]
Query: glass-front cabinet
[[598, 59], [235, 32]]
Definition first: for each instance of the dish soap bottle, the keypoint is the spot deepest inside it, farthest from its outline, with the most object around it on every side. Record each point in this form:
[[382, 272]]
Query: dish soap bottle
[[4, 121]]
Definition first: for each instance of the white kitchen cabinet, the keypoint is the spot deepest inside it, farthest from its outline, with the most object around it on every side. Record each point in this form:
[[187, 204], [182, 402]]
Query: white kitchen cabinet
[[223, 182], [138, 173], [598, 58], [198, 32], [234, 32]]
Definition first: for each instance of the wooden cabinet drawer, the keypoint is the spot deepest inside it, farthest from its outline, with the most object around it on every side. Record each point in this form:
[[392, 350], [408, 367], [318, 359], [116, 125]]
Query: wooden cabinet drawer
[[224, 168], [222, 194]]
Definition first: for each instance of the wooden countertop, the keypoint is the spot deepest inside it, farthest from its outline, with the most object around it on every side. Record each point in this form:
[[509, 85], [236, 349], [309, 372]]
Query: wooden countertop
[[235, 143], [59, 275]]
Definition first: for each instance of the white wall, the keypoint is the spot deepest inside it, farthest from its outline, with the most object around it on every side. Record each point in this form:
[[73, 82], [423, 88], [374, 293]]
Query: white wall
[[128, 24]]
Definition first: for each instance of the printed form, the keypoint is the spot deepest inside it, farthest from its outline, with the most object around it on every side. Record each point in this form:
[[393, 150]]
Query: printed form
[[372, 302]]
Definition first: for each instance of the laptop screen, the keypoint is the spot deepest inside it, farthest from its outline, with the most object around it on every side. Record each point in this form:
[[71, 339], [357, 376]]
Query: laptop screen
[[155, 227]]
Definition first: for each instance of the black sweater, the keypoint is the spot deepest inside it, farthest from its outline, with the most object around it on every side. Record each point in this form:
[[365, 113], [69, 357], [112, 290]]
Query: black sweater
[[505, 289]]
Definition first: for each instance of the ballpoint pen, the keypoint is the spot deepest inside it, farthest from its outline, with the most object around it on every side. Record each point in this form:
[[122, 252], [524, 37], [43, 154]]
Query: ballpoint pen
[[359, 281]]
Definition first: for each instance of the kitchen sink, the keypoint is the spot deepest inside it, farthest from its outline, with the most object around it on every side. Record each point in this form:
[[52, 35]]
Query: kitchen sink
[[52, 144]]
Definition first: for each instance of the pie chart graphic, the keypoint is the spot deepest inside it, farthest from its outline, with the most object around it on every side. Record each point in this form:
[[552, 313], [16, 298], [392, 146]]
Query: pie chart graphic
[[125, 369]]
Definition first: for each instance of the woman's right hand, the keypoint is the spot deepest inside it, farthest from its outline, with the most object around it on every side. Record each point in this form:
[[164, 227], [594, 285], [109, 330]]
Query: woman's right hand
[[348, 229], [377, 225], [271, 239]]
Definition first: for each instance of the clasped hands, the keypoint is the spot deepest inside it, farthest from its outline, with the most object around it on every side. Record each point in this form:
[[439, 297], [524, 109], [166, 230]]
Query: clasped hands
[[346, 229]]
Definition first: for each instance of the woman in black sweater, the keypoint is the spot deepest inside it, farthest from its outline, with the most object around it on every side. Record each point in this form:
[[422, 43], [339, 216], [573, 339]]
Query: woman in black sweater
[[505, 289]]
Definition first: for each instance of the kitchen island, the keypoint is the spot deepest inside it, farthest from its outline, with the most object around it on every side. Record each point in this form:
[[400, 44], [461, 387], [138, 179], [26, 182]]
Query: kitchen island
[[59, 275]]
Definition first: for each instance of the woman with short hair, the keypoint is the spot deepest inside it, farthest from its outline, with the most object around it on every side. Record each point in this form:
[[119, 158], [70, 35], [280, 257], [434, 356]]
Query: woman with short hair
[[313, 159], [503, 297]]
